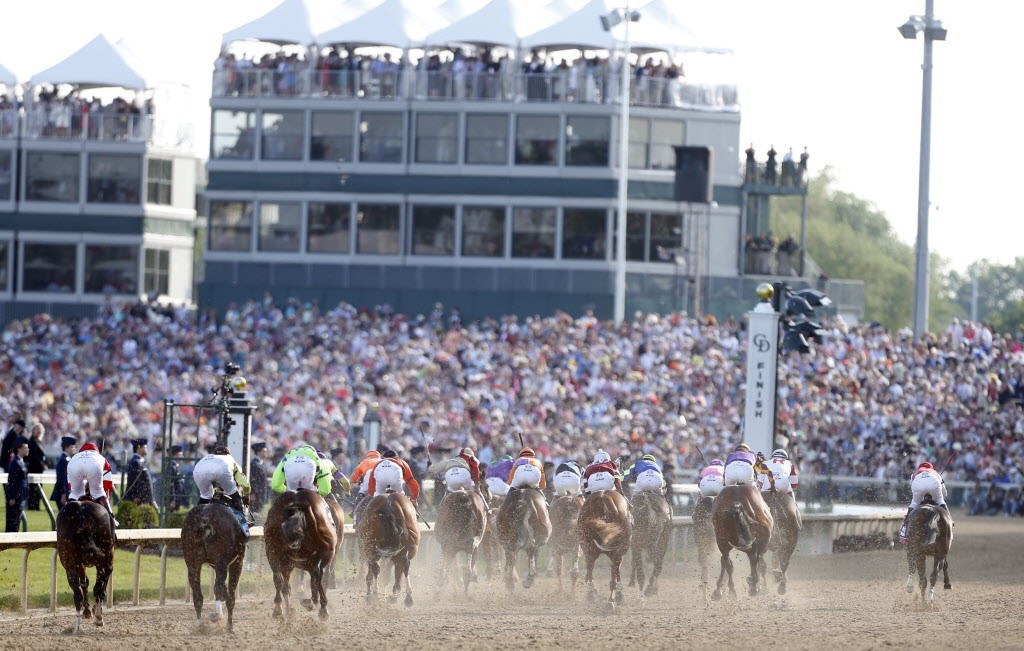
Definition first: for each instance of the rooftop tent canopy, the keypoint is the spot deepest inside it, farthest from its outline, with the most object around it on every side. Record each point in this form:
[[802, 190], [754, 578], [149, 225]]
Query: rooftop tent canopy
[[7, 77], [453, 10], [97, 64], [394, 23], [661, 29], [580, 30], [499, 22], [297, 22]]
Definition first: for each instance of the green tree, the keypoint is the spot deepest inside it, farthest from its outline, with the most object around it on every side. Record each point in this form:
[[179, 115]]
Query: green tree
[[1000, 292]]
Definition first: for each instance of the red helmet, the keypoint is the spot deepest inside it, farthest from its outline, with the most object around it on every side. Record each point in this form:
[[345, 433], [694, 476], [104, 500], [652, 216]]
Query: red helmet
[[89, 447], [926, 465]]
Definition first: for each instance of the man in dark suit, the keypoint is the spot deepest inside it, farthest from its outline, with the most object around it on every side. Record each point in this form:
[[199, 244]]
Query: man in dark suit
[[36, 461], [258, 477], [179, 486], [139, 487], [68, 447], [17, 484], [17, 429]]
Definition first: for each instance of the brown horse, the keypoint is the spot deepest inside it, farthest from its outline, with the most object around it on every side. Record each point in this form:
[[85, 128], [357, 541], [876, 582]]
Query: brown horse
[[785, 535], [460, 527], [299, 535], [565, 535], [387, 528], [742, 521], [523, 523], [704, 538], [929, 533], [490, 546], [652, 529], [605, 529], [338, 513], [85, 538], [210, 535]]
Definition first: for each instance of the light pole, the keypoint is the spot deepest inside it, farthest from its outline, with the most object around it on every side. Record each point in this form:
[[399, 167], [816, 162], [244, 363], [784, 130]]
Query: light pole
[[933, 31], [608, 21]]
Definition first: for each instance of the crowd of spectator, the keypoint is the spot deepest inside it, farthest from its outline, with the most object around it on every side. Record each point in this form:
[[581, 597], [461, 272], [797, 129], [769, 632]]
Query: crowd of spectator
[[866, 401], [765, 255], [69, 116]]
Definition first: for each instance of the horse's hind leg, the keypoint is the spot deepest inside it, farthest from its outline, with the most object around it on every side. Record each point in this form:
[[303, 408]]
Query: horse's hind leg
[[616, 582], [588, 580], [637, 572], [406, 565], [510, 570], [922, 574], [574, 570], [755, 559], [280, 583], [318, 592], [912, 567], [934, 577], [726, 570], [103, 572], [220, 577], [234, 573], [76, 579], [659, 561], [372, 570], [787, 554], [945, 574], [195, 582], [531, 566]]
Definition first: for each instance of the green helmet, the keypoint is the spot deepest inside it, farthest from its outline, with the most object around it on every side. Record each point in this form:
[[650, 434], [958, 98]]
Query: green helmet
[[505, 457], [648, 457]]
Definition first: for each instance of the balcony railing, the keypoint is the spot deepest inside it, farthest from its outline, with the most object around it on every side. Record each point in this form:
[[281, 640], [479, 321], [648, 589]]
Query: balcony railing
[[553, 87], [106, 127], [8, 123]]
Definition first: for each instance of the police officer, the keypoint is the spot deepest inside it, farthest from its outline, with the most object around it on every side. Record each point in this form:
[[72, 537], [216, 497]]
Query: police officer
[[140, 485], [17, 484], [179, 487], [68, 447], [258, 477]]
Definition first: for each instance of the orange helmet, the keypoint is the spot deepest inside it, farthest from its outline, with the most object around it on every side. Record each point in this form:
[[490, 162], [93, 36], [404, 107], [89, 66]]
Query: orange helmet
[[527, 452], [372, 454]]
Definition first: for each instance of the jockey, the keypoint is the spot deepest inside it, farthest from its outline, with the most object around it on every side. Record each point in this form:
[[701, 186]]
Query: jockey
[[781, 473], [469, 457], [361, 475], [763, 474], [712, 479], [497, 473], [646, 476], [602, 474], [220, 468], [89, 475], [527, 471], [568, 479], [458, 474], [337, 476], [739, 466], [392, 473], [925, 482], [301, 468]]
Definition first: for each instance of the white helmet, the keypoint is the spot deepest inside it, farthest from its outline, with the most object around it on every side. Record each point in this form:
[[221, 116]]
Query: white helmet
[[780, 454], [601, 457]]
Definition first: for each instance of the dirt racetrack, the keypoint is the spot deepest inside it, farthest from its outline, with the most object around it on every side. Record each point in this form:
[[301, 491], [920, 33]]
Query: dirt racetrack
[[854, 600]]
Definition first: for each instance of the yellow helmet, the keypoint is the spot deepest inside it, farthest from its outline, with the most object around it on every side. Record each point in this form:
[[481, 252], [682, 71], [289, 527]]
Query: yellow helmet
[[742, 447]]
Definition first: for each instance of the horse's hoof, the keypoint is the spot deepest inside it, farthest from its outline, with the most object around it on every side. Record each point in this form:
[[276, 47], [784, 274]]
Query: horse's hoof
[[99, 622], [591, 595], [610, 608], [307, 604], [369, 599], [86, 614], [619, 599], [716, 595], [947, 587], [215, 617], [408, 601], [782, 588], [392, 598], [910, 588], [323, 614], [652, 591], [528, 581]]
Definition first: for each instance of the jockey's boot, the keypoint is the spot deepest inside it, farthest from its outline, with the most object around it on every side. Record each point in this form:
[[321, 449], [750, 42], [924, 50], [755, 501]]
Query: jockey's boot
[[235, 502], [946, 507], [203, 500], [103, 501], [903, 529]]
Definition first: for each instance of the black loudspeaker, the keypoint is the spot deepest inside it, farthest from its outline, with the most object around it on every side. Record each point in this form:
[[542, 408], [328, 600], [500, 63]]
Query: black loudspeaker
[[693, 174]]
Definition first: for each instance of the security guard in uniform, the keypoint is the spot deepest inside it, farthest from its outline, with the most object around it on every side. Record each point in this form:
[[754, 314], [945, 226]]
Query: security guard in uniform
[[68, 446], [139, 488], [180, 493], [258, 477], [17, 484]]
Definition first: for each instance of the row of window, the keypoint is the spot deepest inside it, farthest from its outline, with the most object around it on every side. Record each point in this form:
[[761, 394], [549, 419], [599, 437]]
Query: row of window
[[437, 230], [107, 269], [110, 178], [438, 138]]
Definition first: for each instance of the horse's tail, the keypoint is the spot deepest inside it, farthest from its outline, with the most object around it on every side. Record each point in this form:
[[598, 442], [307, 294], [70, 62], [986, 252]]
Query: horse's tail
[[293, 529], [606, 530], [744, 534], [931, 527], [392, 527]]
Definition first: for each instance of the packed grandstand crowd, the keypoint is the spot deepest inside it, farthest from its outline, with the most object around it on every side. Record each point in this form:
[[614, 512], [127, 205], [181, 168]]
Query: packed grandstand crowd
[[867, 401]]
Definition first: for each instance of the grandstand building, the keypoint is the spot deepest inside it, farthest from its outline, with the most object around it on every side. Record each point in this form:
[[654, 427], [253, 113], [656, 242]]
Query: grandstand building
[[97, 189]]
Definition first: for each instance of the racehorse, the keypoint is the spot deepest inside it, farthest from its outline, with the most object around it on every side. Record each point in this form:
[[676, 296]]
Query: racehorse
[[785, 534], [605, 529], [929, 533], [210, 535], [490, 546], [298, 534], [565, 535], [703, 537], [338, 513], [461, 524], [522, 523], [85, 538], [742, 521], [387, 528], [652, 528]]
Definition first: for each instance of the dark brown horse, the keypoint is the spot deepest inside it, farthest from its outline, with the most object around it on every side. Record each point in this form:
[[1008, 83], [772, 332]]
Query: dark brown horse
[[85, 538], [338, 513], [742, 521], [565, 535], [523, 523], [461, 524], [652, 529], [210, 535], [605, 529], [489, 546], [299, 535], [703, 538], [785, 535], [387, 529], [929, 533]]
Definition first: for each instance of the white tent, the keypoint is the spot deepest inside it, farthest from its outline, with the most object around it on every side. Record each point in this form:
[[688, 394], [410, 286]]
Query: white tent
[[97, 64], [395, 23], [453, 10], [661, 28], [579, 30], [298, 22], [7, 77], [499, 22]]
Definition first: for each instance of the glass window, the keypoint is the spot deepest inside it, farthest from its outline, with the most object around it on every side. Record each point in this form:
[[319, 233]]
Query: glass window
[[487, 139], [584, 234], [111, 269], [586, 141], [380, 137], [378, 229], [639, 136], [234, 134], [636, 236], [533, 233], [437, 138], [114, 179], [282, 135], [49, 267], [51, 177], [332, 137], [159, 180], [433, 230], [156, 272], [483, 231], [536, 139], [280, 224], [5, 257], [230, 225], [666, 237], [328, 229], [665, 135], [5, 175]]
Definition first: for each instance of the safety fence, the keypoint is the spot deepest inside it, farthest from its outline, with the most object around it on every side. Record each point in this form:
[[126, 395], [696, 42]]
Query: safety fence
[[819, 530]]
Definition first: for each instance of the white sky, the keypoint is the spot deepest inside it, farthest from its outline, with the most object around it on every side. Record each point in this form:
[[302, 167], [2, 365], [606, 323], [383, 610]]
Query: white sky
[[836, 77]]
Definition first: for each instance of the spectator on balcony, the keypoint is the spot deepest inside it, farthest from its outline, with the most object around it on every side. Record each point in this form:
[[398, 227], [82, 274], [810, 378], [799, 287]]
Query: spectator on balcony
[[771, 176], [536, 81], [787, 258], [801, 169], [788, 169], [750, 166]]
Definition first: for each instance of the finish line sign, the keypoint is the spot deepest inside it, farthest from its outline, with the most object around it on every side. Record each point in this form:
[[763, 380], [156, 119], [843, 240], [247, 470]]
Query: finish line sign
[[762, 359]]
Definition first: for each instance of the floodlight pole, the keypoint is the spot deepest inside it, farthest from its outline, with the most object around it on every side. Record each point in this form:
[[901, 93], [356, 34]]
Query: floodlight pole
[[619, 311], [921, 260]]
